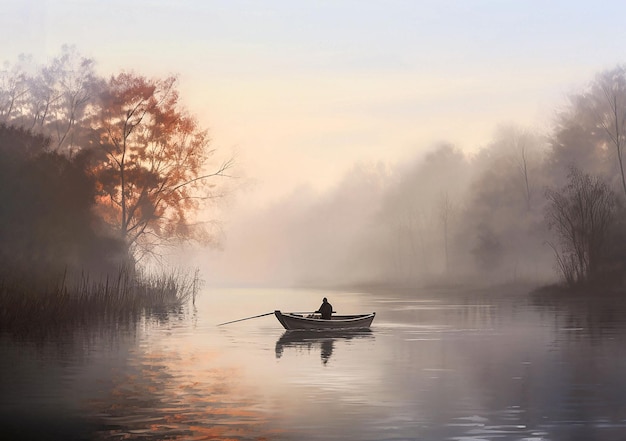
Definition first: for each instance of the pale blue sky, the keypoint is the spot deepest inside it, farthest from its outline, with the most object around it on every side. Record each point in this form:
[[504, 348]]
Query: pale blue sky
[[303, 89]]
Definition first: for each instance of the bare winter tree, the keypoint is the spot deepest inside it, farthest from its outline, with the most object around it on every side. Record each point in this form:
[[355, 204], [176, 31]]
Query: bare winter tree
[[591, 132], [524, 144], [519, 150], [14, 88], [445, 213], [62, 94], [581, 214], [608, 102], [52, 99]]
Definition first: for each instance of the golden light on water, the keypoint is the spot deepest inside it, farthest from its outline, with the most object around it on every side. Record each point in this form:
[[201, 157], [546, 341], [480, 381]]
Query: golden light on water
[[180, 394]]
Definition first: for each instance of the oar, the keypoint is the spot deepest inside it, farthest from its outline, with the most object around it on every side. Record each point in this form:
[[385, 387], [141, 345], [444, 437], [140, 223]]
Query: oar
[[247, 318], [263, 315]]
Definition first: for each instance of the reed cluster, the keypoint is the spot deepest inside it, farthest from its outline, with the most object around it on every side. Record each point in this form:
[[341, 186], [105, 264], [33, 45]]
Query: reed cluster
[[83, 300]]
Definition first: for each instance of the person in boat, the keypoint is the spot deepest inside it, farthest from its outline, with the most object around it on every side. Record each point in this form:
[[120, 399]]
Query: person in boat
[[326, 309]]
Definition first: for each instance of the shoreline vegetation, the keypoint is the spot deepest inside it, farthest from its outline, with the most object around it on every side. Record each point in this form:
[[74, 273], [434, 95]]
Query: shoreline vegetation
[[79, 301], [134, 170], [98, 175]]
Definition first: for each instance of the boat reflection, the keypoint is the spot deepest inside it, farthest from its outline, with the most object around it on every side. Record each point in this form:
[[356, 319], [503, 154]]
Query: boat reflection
[[324, 340]]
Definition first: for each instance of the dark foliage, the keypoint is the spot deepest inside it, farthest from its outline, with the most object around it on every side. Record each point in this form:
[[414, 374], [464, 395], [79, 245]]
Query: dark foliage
[[47, 225], [581, 214]]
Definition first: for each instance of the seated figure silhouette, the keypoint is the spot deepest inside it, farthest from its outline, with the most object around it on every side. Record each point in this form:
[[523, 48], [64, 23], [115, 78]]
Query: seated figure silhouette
[[327, 350], [326, 310]]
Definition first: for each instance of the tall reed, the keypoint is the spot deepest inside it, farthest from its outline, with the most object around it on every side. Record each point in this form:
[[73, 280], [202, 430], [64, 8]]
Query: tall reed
[[78, 300]]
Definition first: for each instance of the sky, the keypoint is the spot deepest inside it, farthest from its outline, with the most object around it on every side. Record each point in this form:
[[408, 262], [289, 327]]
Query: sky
[[300, 91]]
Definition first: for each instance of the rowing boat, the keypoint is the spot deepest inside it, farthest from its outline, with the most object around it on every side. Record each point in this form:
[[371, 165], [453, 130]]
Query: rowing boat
[[293, 321]]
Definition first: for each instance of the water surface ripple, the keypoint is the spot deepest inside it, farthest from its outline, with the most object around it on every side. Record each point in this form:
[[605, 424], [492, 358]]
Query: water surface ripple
[[434, 366]]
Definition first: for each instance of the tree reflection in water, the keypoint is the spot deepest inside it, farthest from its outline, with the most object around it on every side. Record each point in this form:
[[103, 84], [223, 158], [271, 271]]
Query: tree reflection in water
[[325, 340]]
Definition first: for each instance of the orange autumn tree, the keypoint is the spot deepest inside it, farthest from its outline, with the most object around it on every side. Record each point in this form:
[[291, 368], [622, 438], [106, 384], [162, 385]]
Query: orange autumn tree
[[153, 174]]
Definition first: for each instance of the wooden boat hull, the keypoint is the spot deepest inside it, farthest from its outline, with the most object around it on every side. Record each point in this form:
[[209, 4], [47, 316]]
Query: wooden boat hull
[[291, 321]]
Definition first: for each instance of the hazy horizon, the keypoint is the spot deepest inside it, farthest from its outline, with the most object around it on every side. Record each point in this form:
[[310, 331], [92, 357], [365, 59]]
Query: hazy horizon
[[308, 95]]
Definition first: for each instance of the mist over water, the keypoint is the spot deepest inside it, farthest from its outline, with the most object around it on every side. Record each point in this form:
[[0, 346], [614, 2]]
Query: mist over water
[[443, 216]]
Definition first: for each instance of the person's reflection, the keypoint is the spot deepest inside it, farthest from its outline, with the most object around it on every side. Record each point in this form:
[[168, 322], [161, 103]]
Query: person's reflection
[[311, 339], [279, 349], [327, 350], [305, 340]]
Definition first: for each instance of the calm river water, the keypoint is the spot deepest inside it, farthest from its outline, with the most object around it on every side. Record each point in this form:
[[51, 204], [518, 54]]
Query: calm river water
[[436, 365]]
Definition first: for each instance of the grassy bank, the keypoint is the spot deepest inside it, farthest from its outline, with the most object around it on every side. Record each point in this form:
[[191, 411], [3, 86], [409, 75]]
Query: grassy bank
[[70, 301]]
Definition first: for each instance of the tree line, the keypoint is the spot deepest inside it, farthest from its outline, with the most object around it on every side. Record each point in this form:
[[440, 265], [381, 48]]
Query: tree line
[[524, 206], [97, 171], [101, 170], [526, 193]]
